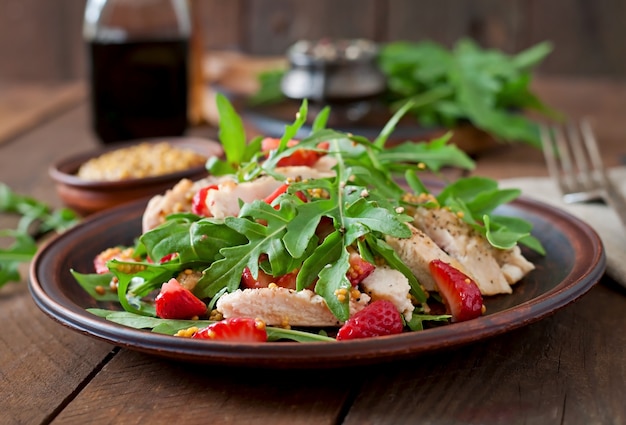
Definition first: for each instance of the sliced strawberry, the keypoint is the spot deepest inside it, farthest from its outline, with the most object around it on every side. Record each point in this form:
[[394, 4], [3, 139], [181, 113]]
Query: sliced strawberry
[[275, 194], [168, 257], [306, 157], [263, 280], [234, 329], [279, 191], [460, 294], [359, 268], [198, 203], [377, 319], [177, 302]]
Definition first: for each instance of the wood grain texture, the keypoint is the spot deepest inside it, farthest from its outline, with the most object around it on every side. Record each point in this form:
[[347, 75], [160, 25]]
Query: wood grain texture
[[271, 26], [542, 373], [24, 106], [491, 23], [42, 363], [587, 35], [174, 392], [43, 40], [221, 23]]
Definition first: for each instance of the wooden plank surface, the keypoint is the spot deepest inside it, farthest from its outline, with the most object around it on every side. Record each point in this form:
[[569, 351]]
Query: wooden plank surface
[[588, 36], [42, 364], [270, 27], [23, 106], [44, 39], [491, 23], [530, 373], [173, 392]]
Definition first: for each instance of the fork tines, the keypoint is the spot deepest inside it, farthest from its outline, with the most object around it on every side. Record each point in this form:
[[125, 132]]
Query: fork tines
[[574, 161]]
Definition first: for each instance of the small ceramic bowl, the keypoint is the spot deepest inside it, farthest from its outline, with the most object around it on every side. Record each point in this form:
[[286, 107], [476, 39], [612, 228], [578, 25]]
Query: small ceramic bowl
[[90, 196]]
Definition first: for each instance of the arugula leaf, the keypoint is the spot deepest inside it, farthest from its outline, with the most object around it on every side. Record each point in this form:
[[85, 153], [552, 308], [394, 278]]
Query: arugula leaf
[[136, 280], [434, 154], [484, 86], [193, 241], [332, 280], [417, 320], [477, 198], [269, 88], [170, 327], [35, 219], [92, 282], [232, 135]]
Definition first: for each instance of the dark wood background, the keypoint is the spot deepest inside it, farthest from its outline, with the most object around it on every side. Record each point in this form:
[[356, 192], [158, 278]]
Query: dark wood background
[[42, 41]]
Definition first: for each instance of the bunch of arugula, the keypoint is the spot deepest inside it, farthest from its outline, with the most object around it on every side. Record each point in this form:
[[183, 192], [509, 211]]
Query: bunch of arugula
[[364, 200], [485, 87], [35, 220]]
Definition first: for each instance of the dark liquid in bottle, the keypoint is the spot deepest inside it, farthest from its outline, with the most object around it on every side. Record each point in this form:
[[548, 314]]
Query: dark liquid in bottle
[[139, 89]]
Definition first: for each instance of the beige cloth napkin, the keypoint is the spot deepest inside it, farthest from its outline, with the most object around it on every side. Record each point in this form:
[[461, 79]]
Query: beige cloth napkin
[[601, 218]]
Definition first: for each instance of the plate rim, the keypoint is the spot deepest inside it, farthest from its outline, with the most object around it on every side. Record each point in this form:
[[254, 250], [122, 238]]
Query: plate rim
[[325, 354]]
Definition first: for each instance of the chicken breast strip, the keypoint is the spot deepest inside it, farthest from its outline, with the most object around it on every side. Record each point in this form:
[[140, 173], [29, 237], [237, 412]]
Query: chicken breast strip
[[492, 269], [417, 252], [278, 306]]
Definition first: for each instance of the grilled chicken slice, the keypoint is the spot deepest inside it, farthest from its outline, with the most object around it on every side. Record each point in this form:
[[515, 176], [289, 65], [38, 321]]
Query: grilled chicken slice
[[492, 269], [176, 199], [225, 201], [385, 283], [513, 264], [278, 306], [417, 252]]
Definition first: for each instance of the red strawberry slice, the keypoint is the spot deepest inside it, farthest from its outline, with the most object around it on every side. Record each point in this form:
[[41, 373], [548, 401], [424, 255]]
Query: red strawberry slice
[[177, 302], [234, 329], [305, 157], [279, 191], [460, 294], [377, 319], [359, 268], [198, 203], [263, 279]]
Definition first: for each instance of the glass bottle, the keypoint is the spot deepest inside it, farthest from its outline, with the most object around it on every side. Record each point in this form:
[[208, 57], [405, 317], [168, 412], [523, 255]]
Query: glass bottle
[[138, 60]]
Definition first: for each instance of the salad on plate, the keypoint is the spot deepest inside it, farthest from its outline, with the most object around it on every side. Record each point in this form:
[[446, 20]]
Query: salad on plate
[[329, 237]]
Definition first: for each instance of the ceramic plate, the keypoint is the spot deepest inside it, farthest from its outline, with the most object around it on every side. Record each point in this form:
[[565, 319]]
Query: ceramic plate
[[574, 263]]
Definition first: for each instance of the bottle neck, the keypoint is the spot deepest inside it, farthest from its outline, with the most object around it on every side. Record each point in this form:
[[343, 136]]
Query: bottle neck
[[117, 21]]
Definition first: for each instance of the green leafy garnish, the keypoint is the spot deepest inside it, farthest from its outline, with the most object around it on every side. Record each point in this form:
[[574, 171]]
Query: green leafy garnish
[[170, 327], [35, 220], [486, 87], [476, 198]]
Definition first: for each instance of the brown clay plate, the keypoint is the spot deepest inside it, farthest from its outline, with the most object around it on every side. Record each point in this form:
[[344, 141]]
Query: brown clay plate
[[574, 263]]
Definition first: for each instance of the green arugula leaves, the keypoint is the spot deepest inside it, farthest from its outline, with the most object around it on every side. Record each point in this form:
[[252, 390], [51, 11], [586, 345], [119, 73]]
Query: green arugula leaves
[[485, 87], [170, 327], [35, 220]]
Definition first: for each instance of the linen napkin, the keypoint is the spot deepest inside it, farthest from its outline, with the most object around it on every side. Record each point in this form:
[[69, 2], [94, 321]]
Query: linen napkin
[[600, 217]]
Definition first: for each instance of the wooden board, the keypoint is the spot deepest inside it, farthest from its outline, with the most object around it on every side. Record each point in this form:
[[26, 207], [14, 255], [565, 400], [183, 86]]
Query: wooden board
[[24, 106]]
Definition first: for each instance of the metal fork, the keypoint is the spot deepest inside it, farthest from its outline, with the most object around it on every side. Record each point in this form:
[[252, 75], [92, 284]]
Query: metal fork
[[574, 161]]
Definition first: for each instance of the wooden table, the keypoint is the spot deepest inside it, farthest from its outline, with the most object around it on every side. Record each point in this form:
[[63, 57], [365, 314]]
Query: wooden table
[[568, 368]]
